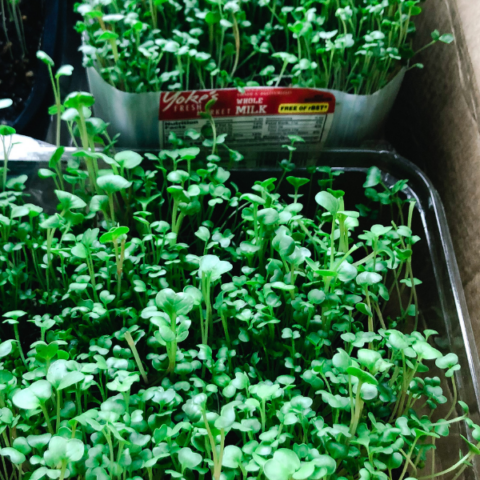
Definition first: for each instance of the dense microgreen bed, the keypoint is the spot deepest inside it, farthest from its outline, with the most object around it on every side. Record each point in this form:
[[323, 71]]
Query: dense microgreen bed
[[179, 45], [167, 321]]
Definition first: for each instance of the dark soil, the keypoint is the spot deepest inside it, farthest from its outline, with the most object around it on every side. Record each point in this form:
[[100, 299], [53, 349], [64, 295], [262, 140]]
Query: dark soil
[[17, 73]]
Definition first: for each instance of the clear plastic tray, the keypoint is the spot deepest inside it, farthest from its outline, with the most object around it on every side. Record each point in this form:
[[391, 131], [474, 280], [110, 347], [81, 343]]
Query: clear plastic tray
[[441, 296]]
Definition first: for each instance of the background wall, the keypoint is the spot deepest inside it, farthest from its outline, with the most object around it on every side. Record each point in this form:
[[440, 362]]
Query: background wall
[[435, 123]]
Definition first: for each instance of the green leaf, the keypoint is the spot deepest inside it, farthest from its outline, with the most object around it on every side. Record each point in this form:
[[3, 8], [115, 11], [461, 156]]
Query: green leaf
[[42, 390], [363, 308], [397, 340], [363, 376], [80, 251], [74, 450], [346, 272], [174, 303], [106, 297], [45, 58], [13, 455], [56, 157], [203, 234], [69, 201], [34, 210], [252, 198], [6, 348], [374, 177], [166, 333], [306, 469], [15, 314], [316, 296], [368, 358], [282, 466], [282, 286], [328, 202], [113, 234], [39, 441], [78, 100], [283, 243], [5, 103], [56, 372], [55, 221], [447, 38], [232, 456], [297, 182], [19, 211], [471, 447], [178, 176], [178, 194], [335, 401], [265, 392], [40, 473], [188, 458], [31, 397], [113, 183], [64, 71], [226, 419], [6, 131], [44, 173], [128, 159], [99, 203], [426, 351], [71, 379], [63, 449], [448, 361], [368, 391], [368, 278], [46, 352], [268, 216], [77, 287], [21, 444], [213, 267], [379, 230], [326, 462]]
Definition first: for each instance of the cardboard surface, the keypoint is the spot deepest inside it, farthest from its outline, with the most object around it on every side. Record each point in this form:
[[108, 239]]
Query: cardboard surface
[[436, 124]]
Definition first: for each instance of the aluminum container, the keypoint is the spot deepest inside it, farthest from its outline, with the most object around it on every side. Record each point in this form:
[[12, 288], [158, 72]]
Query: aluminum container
[[441, 296]]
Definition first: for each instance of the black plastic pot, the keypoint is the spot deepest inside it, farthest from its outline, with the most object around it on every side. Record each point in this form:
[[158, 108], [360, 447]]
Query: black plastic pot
[[34, 119]]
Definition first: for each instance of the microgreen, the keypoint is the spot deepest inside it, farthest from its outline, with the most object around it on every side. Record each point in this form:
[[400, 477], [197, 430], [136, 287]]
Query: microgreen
[[160, 45], [165, 321], [57, 110]]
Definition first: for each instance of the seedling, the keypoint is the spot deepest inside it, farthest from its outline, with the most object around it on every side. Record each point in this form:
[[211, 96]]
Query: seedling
[[269, 332], [57, 109], [158, 45]]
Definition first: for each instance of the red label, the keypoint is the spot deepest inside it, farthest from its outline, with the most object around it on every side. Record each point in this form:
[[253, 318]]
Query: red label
[[252, 102]]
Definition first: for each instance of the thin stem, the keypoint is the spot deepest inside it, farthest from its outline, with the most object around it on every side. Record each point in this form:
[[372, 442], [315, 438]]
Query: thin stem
[[210, 438], [358, 409], [5, 163], [464, 459], [133, 348], [282, 71], [47, 418], [236, 34], [218, 466], [59, 406], [17, 338], [404, 471], [454, 400]]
